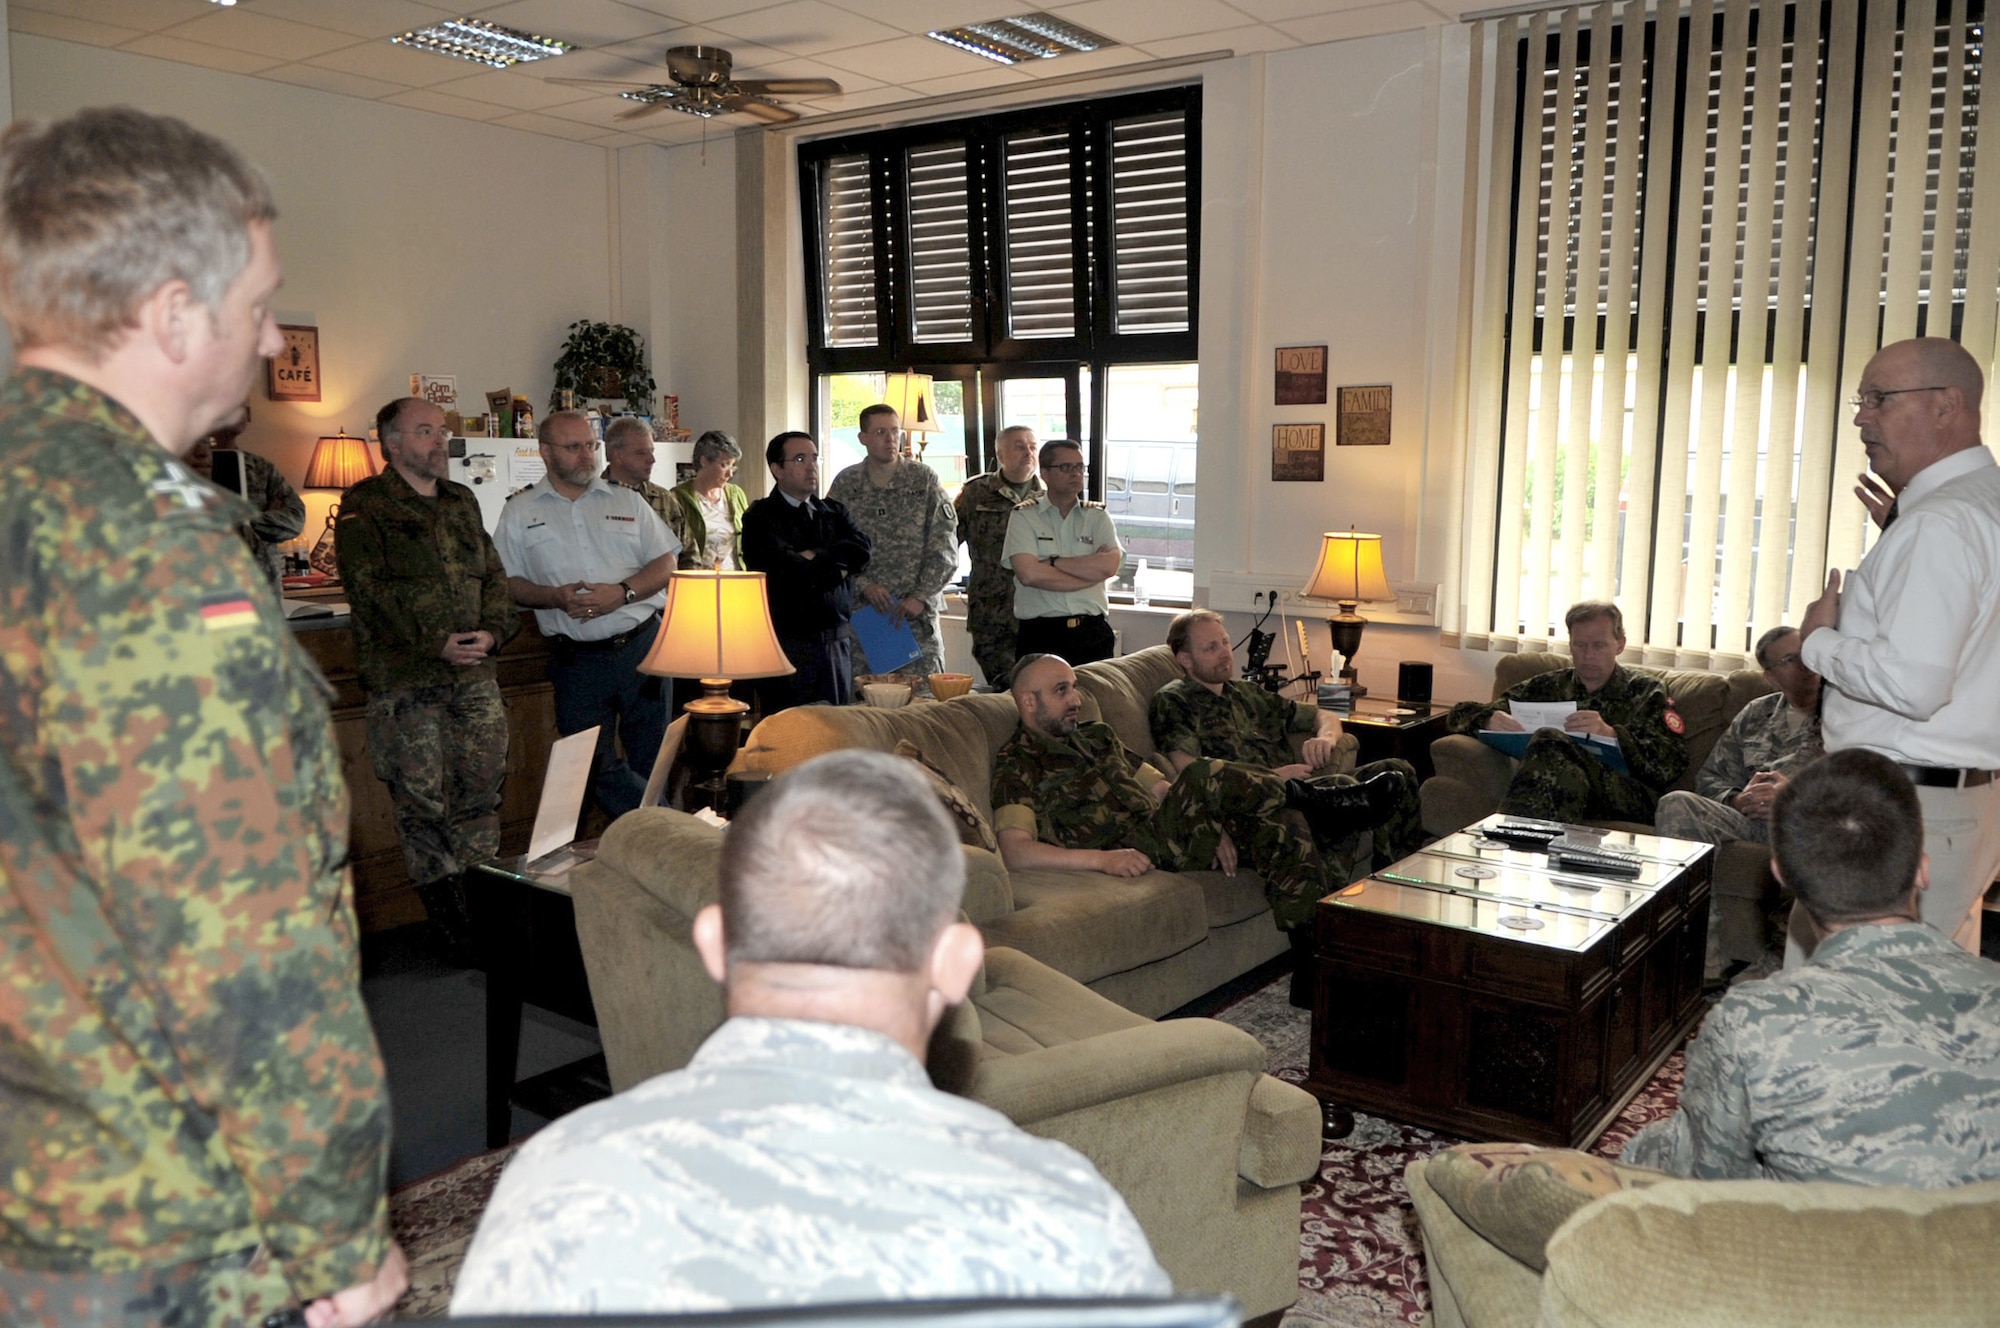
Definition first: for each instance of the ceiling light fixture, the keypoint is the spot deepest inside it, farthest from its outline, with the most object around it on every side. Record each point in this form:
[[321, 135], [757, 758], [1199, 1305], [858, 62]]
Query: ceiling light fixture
[[483, 43], [1034, 36], [676, 100]]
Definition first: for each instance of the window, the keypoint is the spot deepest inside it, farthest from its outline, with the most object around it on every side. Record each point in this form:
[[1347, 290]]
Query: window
[[1672, 303], [1018, 259]]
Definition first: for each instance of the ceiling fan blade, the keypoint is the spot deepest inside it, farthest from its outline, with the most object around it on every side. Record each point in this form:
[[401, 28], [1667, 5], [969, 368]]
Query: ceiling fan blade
[[789, 87], [607, 83], [641, 112], [768, 112]]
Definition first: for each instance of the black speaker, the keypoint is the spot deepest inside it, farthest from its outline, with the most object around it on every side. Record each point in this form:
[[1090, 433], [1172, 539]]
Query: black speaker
[[1413, 682]]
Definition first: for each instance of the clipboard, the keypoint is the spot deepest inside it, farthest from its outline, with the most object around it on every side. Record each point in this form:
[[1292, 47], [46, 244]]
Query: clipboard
[[888, 648], [1516, 746]]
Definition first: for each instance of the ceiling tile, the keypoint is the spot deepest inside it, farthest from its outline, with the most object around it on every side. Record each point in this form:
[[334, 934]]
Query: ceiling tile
[[934, 14], [359, 18], [849, 80], [1402, 16], [807, 27], [995, 76], [1271, 11], [513, 89], [333, 80], [547, 124], [196, 53], [1083, 62], [699, 11], [906, 59], [585, 22], [138, 15], [1243, 41], [424, 99], [856, 101], [242, 29], [1134, 22], [396, 64], [64, 28]]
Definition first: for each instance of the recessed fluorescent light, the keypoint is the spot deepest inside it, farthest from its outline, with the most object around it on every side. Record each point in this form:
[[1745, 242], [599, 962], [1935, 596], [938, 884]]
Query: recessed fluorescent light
[[1034, 36], [226, 4], [483, 43]]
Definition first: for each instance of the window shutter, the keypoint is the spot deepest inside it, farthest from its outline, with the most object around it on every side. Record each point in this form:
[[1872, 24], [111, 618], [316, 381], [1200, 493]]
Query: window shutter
[[940, 245], [847, 227], [1149, 224], [1041, 251]]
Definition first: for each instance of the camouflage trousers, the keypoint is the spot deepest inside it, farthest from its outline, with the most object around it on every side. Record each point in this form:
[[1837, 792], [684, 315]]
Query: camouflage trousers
[[925, 629], [443, 752], [1560, 781], [1210, 797], [1684, 815], [990, 622], [230, 1289], [1390, 841]]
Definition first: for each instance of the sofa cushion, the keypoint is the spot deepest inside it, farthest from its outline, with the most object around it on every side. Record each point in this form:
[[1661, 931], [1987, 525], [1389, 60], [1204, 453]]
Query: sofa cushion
[[958, 736], [1123, 690], [972, 827], [1027, 1006], [1088, 925], [641, 844], [1516, 1195]]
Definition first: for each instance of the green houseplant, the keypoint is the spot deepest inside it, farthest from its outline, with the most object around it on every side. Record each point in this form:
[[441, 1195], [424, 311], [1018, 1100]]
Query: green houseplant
[[603, 360]]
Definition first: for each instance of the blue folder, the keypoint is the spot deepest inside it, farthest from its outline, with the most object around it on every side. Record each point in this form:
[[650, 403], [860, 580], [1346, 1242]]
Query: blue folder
[[888, 648], [1516, 746]]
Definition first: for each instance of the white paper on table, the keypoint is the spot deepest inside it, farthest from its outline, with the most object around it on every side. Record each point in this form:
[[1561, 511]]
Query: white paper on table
[[1541, 714], [562, 792]]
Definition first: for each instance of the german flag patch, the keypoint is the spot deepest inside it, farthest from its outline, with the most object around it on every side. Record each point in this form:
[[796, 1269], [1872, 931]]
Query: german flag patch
[[228, 610], [1672, 719]]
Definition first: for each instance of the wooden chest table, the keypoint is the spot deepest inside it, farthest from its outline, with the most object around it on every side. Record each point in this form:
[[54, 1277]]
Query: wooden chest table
[[1471, 989]]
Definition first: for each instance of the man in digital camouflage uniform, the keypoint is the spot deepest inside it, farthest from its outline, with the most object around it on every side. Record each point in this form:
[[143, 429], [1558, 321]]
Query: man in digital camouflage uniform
[[430, 608], [1877, 1061], [802, 1156], [984, 505], [192, 1116], [1561, 781], [279, 514], [912, 535]]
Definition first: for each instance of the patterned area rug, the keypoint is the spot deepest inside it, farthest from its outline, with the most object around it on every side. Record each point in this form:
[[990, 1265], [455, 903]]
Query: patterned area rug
[[1361, 1259], [1361, 1256]]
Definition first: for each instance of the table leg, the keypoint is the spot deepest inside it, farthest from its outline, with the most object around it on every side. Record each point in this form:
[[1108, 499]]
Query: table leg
[[506, 945]]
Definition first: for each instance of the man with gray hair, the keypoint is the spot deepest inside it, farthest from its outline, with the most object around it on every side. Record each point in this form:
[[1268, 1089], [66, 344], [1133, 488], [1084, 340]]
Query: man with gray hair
[[802, 1157], [193, 1110], [984, 505], [628, 461]]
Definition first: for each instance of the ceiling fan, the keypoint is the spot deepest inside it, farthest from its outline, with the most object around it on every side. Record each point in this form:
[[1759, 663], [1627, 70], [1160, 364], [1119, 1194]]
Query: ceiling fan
[[701, 86]]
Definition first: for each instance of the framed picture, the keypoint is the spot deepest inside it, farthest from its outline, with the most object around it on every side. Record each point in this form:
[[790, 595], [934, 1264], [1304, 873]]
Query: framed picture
[[1298, 451], [1301, 376], [293, 373], [1364, 416]]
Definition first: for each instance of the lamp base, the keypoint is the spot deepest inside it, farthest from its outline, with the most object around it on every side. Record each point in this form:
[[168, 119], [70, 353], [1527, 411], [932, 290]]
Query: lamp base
[[1345, 628], [714, 732]]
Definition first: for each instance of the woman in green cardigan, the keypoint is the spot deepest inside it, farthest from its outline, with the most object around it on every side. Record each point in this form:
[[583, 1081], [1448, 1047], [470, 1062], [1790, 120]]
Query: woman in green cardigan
[[707, 511]]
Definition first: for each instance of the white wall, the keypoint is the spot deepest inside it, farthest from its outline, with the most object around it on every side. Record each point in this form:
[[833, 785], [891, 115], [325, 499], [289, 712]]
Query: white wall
[[418, 243]]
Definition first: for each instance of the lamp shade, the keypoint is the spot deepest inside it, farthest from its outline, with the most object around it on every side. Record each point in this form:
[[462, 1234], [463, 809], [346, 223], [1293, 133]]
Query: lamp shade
[[910, 396], [1350, 569], [339, 462], [717, 625]]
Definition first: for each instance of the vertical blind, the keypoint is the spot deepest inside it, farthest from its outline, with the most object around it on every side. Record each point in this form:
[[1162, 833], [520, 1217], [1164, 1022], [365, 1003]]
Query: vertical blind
[[1691, 232]]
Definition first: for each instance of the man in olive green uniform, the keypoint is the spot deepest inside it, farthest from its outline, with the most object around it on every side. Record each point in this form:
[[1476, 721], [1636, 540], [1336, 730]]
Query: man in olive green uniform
[[1559, 780], [628, 460], [1069, 797], [430, 608], [984, 505], [192, 1113], [280, 512]]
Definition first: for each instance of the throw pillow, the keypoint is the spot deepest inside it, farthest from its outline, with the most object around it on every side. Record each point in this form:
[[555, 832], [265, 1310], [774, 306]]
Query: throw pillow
[[972, 827], [1516, 1195]]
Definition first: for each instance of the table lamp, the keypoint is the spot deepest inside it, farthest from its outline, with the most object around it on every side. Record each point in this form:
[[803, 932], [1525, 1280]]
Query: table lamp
[[716, 627], [910, 396], [339, 462], [1349, 573]]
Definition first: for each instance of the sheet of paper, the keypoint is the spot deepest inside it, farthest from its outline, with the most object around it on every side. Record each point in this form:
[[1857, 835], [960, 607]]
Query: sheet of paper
[[562, 792], [1541, 714]]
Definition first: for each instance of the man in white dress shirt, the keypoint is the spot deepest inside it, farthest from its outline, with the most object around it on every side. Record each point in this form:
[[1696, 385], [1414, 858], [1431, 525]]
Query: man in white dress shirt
[[1910, 646], [592, 559]]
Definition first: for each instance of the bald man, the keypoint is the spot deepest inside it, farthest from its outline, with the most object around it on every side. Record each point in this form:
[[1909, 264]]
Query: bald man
[[1909, 646]]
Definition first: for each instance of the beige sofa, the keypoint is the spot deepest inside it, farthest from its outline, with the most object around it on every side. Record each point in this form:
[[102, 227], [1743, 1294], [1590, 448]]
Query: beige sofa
[[1472, 777], [1207, 1149], [1704, 1253]]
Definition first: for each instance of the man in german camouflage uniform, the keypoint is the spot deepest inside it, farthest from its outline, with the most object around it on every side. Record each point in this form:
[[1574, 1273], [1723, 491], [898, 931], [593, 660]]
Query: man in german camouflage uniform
[[430, 608], [1067, 796], [628, 460], [1877, 1061], [1211, 713], [803, 1157], [1559, 779], [913, 537], [984, 505], [279, 512], [192, 1115]]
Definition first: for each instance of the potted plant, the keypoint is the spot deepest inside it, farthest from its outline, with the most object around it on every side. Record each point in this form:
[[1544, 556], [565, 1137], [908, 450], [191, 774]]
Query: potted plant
[[603, 360]]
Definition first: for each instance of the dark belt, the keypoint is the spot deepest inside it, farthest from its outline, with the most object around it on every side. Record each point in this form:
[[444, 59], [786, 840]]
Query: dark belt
[[1072, 623], [1944, 776], [569, 645]]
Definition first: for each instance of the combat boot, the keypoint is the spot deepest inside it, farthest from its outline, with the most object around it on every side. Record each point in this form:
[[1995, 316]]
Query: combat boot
[[451, 929], [1337, 812]]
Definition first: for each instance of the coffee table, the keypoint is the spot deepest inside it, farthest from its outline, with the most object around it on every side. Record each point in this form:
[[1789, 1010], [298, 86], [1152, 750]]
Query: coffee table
[[1472, 989], [1405, 729]]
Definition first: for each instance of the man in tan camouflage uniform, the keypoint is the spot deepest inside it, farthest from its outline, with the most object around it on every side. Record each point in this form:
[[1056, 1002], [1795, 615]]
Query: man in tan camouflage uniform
[[430, 610], [913, 537], [1559, 780], [984, 505], [193, 1114]]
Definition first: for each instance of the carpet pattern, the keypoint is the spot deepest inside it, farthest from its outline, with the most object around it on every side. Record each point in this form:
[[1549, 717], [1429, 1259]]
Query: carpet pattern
[[1361, 1259]]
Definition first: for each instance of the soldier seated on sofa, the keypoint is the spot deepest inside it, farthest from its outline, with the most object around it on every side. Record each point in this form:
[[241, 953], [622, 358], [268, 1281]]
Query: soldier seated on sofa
[[1559, 779], [1067, 796], [1877, 1062]]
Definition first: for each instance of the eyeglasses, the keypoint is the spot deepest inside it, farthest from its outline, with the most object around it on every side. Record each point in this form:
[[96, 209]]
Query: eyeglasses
[[1069, 468], [1872, 399]]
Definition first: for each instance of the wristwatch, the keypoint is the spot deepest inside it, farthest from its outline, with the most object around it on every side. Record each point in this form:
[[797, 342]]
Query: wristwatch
[[630, 594]]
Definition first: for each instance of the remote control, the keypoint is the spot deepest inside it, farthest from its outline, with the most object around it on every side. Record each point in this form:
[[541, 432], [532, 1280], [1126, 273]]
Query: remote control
[[1586, 860], [1527, 833]]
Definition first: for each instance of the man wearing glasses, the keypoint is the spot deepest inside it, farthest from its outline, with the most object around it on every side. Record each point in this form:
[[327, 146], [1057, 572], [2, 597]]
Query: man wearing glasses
[[592, 559], [1062, 549], [809, 550], [1910, 645]]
